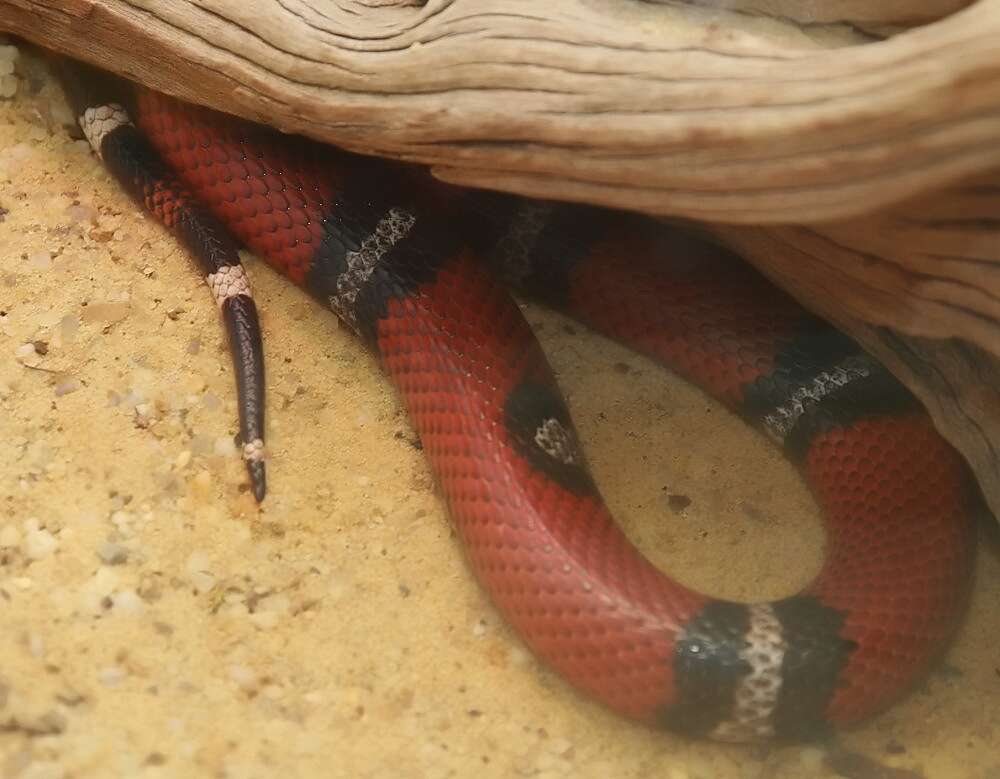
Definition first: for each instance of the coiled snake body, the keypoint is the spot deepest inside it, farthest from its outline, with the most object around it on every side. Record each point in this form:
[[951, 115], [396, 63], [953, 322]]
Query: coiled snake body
[[412, 267]]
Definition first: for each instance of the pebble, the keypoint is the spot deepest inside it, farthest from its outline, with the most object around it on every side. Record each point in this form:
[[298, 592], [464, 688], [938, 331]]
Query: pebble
[[112, 675], [39, 544], [224, 446], [244, 677], [127, 602], [111, 553], [81, 213], [198, 574], [26, 352], [96, 590], [69, 326], [36, 645], [122, 520], [560, 746], [40, 261], [66, 387]]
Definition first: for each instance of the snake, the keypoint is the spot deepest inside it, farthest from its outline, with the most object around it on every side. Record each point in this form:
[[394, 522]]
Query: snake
[[422, 272]]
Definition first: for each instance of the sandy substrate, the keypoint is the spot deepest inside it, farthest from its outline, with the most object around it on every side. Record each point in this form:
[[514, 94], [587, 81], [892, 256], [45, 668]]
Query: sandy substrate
[[157, 623]]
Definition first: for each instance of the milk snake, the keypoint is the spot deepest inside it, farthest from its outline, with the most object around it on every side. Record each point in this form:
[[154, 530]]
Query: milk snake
[[412, 266]]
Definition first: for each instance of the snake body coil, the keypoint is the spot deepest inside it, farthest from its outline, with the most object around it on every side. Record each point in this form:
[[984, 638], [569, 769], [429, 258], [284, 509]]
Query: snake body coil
[[401, 260]]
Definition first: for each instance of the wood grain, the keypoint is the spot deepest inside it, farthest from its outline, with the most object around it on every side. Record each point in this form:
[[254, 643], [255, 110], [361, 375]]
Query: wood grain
[[701, 113]]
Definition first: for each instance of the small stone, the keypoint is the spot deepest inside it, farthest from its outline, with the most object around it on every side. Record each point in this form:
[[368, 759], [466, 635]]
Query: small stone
[[145, 415], [66, 387], [122, 520], [244, 677], [198, 572], [69, 326], [26, 352], [560, 746], [39, 544], [40, 261], [183, 460], [112, 554], [224, 446], [81, 213], [112, 676], [36, 645], [127, 602]]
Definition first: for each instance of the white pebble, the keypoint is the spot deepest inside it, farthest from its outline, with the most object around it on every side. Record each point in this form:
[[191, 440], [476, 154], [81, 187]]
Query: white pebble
[[122, 520], [66, 387], [520, 657], [560, 746], [39, 544], [40, 260], [36, 645], [127, 602], [224, 446], [112, 554], [81, 213], [96, 590], [198, 572], [243, 676], [275, 604], [112, 675]]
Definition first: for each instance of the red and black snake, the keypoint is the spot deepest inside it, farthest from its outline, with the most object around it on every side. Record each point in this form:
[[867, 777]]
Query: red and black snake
[[412, 266]]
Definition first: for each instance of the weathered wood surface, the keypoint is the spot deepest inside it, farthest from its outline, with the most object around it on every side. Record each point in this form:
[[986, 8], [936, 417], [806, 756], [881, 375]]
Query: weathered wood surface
[[694, 112], [863, 14], [682, 111]]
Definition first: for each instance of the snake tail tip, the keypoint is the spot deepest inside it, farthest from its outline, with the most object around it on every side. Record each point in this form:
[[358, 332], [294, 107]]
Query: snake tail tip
[[258, 480]]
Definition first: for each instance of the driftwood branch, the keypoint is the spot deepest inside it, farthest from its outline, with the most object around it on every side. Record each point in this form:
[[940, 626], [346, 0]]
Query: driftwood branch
[[815, 149], [702, 113], [864, 14]]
